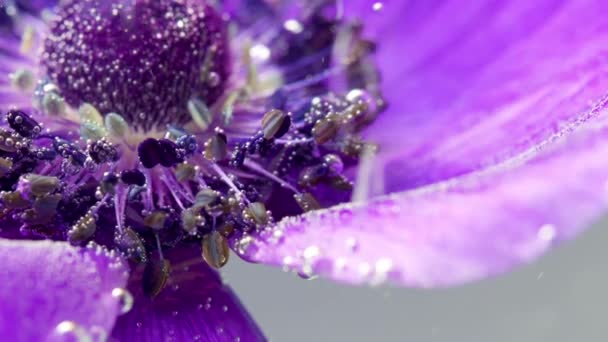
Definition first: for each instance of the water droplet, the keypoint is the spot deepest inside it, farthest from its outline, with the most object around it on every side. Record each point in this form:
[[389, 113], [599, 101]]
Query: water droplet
[[293, 26], [175, 313], [125, 299], [224, 308], [74, 330], [547, 232], [352, 244], [377, 6]]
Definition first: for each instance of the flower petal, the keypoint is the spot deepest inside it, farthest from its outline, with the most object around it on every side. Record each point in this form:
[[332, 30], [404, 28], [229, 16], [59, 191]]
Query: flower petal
[[194, 306], [456, 231], [46, 283], [472, 84]]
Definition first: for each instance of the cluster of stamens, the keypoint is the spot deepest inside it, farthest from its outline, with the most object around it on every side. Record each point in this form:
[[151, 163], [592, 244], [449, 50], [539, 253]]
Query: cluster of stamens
[[91, 174]]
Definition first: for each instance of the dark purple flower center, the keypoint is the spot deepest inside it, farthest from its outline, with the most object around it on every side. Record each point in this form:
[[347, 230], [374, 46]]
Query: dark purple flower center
[[141, 59]]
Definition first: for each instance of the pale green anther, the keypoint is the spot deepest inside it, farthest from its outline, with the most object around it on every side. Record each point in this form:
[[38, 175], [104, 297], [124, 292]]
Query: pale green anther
[[206, 197], [91, 131], [200, 113], [228, 107], [53, 104], [88, 113], [23, 79], [116, 125], [42, 185], [185, 172]]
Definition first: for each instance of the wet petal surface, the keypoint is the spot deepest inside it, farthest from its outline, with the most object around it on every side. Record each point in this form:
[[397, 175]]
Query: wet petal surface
[[54, 291], [471, 85], [194, 306]]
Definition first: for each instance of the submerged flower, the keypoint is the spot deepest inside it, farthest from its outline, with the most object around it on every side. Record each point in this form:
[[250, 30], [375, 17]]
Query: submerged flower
[[422, 144]]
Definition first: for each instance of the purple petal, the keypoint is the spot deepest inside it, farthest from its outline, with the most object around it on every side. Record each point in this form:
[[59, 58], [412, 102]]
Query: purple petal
[[456, 231], [46, 283], [472, 84], [483, 98], [194, 306]]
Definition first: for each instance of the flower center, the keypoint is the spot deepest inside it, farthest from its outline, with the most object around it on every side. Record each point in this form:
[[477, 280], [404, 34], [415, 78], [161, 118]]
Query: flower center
[[141, 59]]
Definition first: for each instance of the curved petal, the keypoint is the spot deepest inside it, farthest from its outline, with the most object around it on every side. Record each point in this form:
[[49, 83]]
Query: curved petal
[[472, 84], [455, 231], [194, 306], [48, 283]]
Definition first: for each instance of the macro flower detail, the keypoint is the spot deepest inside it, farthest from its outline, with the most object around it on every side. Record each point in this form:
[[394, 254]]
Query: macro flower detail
[[422, 144]]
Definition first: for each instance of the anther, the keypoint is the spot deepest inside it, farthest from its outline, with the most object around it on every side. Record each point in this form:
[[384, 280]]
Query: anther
[[275, 124]]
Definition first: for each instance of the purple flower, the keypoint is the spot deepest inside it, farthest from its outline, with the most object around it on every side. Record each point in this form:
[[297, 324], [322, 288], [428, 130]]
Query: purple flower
[[431, 143]]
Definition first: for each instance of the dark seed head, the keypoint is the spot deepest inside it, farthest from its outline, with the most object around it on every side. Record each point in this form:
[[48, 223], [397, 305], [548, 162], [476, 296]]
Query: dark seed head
[[133, 177], [169, 153], [149, 153], [23, 124]]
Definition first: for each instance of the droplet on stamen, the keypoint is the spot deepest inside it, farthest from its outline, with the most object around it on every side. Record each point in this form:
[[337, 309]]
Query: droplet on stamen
[[215, 249]]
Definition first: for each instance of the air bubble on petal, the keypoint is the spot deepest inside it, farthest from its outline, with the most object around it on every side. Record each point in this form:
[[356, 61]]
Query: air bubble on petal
[[352, 244], [547, 232], [72, 330], [378, 6], [125, 299], [293, 26]]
